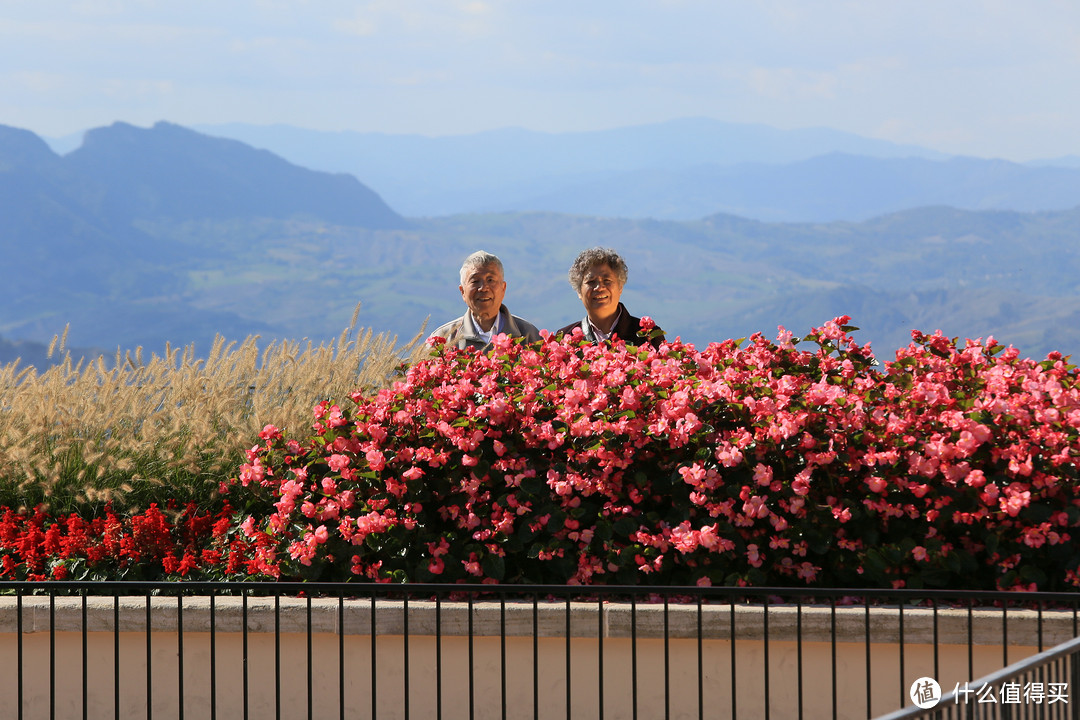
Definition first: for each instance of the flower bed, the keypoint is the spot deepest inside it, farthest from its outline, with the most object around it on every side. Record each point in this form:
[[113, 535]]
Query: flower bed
[[742, 463], [762, 464], [141, 546]]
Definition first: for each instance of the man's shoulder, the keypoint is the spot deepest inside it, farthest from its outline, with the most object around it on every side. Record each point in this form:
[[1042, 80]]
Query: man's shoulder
[[523, 324], [449, 329], [520, 327]]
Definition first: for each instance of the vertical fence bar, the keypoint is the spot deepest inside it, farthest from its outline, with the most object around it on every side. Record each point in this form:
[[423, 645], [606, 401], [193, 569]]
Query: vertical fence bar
[[633, 656], [116, 654], [374, 664], [405, 652], [700, 663], [937, 665], [438, 657], [341, 653], [52, 656], [277, 656], [971, 638], [310, 658], [866, 633], [472, 684], [213, 655], [180, 653], [734, 678], [832, 632], [667, 662], [149, 661], [765, 650], [799, 653], [19, 645], [502, 653], [536, 655], [1040, 624], [85, 655], [903, 696], [600, 656], [1005, 633], [244, 642], [1074, 680], [569, 713]]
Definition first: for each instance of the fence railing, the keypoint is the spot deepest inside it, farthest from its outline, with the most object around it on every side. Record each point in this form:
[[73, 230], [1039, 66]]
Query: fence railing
[[1037, 688], [283, 650]]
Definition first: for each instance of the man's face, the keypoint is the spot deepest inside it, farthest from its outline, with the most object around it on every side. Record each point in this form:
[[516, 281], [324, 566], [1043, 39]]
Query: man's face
[[600, 291], [483, 292]]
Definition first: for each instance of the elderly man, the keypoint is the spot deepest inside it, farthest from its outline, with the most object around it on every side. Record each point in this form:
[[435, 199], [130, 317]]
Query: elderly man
[[482, 287]]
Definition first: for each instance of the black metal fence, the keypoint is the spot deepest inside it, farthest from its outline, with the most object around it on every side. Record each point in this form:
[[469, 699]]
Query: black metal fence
[[1037, 688], [281, 650]]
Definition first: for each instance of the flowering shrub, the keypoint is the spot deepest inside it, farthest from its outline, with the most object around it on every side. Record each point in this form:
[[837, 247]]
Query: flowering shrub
[[756, 463]]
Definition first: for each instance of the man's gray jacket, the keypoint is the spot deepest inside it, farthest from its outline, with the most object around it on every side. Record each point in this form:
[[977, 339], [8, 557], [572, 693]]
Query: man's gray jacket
[[462, 333]]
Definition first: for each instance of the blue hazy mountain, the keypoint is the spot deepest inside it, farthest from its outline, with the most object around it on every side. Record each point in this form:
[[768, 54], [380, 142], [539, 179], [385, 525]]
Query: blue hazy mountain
[[170, 171], [831, 187], [79, 233], [504, 169], [678, 170]]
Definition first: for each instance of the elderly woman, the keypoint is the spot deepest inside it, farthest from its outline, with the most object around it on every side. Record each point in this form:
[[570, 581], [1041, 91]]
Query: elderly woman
[[598, 276]]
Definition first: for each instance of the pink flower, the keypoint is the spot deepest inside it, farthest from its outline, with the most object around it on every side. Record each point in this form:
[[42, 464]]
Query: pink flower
[[472, 566], [270, 432], [375, 459], [337, 462], [1015, 500], [755, 507], [763, 475]]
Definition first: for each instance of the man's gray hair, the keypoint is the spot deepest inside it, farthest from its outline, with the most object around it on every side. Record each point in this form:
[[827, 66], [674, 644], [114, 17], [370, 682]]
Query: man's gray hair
[[592, 257], [479, 259]]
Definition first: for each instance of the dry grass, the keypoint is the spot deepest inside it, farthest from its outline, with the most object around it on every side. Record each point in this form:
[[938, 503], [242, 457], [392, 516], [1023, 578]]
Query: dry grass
[[173, 426]]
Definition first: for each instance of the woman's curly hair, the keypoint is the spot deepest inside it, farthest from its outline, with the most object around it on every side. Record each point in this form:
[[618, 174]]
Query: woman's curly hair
[[592, 257]]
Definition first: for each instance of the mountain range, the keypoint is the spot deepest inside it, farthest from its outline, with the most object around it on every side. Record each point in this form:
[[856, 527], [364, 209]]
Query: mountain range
[[146, 235], [677, 170]]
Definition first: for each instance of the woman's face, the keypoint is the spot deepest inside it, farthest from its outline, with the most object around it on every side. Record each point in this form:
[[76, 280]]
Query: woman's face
[[600, 291]]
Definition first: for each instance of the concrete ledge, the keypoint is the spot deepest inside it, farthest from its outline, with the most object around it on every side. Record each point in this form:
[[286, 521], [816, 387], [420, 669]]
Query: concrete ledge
[[984, 626]]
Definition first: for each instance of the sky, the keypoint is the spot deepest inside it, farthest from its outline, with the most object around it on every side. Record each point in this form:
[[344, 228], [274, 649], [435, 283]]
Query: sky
[[988, 78]]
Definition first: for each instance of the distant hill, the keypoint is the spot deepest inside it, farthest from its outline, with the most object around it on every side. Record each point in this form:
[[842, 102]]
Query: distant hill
[[78, 232], [171, 172], [823, 189]]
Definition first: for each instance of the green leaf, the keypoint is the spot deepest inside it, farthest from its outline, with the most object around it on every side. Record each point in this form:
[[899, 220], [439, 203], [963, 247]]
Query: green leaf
[[493, 566], [624, 526]]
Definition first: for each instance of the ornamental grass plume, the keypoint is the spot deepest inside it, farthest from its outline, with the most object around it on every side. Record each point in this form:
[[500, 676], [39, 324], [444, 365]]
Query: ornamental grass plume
[[139, 430]]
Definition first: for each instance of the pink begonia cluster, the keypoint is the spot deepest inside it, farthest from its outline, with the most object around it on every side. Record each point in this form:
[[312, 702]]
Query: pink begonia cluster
[[742, 463]]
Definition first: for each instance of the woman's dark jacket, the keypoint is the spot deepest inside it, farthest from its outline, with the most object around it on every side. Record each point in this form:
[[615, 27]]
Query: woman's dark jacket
[[626, 328]]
